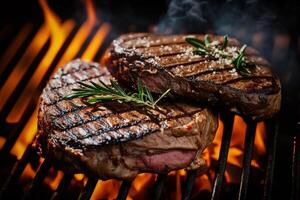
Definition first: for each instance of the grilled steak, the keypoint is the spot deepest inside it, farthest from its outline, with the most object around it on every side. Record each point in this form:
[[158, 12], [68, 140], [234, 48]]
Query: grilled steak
[[115, 140], [164, 62]]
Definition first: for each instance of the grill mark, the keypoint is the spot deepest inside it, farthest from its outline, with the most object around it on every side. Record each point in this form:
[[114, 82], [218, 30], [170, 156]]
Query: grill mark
[[76, 82], [61, 98], [173, 65], [156, 45], [161, 50], [180, 39], [75, 79], [143, 111], [123, 137], [81, 68], [164, 55], [140, 122], [246, 78], [92, 119], [131, 123], [190, 69], [154, 118], [79, 108], [225, 68], [208, 71], [109, 128]]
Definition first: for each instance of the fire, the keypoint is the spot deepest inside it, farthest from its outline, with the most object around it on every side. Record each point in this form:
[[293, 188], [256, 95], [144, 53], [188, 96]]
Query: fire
[[23, 64], [81, 35], [106, 189], [18, 40], [56, 32], [91, 51]]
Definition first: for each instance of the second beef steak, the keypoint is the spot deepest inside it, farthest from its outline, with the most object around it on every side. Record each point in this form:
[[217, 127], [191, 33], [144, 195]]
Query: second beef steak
[[164, 62]]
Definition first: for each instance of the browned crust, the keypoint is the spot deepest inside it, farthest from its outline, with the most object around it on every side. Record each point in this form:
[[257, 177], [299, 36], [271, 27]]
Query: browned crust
[[257, 97], [58, 140]]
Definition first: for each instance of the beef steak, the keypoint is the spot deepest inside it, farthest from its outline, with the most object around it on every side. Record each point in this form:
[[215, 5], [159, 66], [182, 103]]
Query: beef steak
[[115, 140], [164, 62]]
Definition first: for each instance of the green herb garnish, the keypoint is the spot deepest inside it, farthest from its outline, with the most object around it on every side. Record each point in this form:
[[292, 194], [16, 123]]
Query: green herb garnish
[[205, 48], [225, 42], [237, 62], [95, 92], [206, 40]]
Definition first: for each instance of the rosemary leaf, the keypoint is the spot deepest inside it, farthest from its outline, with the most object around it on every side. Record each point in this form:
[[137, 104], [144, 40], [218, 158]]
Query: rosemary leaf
[[149, 95], [237, 62], [162, 96], [195, 42], [140, 89], [95, 93], [206, 40], [225, 42], [200, 51], [205, 48]]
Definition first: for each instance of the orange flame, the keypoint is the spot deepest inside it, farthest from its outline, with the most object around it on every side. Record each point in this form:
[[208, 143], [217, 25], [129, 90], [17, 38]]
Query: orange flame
[[106, 189], [18, 40], [23, 64], [58, 31], [81, 35]]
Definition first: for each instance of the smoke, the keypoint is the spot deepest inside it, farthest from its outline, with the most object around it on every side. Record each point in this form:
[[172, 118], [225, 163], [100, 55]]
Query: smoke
[[241, 19], [245, 20]]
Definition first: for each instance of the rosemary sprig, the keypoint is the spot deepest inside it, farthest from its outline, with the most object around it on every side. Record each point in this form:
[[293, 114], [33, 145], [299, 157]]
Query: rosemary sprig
[[237, 62], [205, 48], [200, 46], [95, 92], [206, 40]]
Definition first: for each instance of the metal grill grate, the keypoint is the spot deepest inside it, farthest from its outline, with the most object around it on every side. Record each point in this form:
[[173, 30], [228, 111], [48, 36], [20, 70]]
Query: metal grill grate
[[13, 131]]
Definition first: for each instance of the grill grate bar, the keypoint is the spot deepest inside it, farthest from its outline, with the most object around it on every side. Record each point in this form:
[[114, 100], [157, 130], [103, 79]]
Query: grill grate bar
[[87, 41], [88, 189], [189, 185], [273, 130], [158, 186], [249, 142], [23, 82], [124, 189], [62, 187], [112, 35], [16, 130], [222, 161], [296, 159], [57, 58], [38, 179], [15, 173], [296, 168], [19, 52]]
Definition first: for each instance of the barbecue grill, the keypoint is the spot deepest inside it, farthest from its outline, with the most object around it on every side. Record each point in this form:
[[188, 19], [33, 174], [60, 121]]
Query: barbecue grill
[[32, 49]]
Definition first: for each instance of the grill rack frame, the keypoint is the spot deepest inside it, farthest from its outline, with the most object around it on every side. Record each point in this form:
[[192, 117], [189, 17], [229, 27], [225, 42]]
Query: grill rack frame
[[19, 166]]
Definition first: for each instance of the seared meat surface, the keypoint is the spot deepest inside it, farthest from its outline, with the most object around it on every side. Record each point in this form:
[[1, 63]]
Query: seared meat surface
[[164, 62], [118, 140]]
